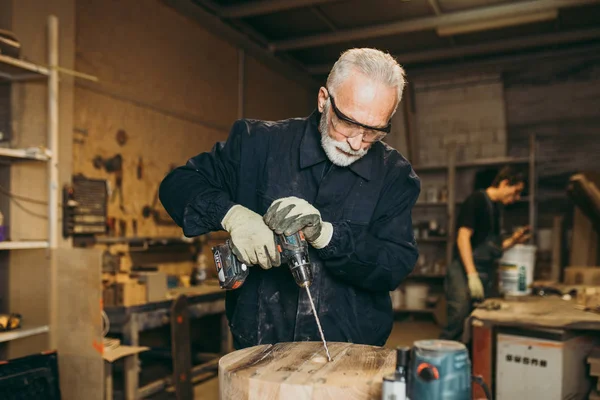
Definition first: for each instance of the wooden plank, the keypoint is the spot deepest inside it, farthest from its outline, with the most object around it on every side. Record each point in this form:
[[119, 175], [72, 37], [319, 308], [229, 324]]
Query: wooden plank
[[482, 358], [300, 371], [557, 225], [584, 241]]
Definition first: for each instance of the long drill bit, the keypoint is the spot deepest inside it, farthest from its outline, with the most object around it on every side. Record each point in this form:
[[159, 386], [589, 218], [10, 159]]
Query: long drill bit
[[312, 304]]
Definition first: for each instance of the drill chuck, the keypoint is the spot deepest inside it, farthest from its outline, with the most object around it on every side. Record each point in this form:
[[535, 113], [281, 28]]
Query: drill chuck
[[294, 252], [302, 274]]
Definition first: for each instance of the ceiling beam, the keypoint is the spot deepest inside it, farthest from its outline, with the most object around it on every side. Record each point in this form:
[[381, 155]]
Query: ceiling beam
[[436, 7], [502, 63], [252, 9], [214, 25], [484, 48], [324, 18], [426, 23]]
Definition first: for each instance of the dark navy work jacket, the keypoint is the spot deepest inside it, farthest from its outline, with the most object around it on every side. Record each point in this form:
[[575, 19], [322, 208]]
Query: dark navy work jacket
[[369, 204]]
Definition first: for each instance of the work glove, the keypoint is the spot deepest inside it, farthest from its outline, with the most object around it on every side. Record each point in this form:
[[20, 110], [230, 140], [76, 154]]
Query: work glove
[[290, 214], [252, 241], [475, 286]]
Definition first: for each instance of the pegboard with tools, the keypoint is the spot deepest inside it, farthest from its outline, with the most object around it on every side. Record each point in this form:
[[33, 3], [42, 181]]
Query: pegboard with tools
[[85, 207]]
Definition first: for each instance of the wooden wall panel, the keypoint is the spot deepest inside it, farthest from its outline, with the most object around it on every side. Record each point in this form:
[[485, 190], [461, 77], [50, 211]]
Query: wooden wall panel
[[270, 96]]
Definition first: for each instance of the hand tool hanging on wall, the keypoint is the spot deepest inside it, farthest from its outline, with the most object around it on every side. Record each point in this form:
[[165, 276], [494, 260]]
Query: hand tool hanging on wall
[[113, 165], [84, 207], [140, 169]]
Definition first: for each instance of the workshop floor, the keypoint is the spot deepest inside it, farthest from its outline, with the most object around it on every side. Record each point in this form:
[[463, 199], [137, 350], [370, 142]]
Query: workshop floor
[[403, 334]]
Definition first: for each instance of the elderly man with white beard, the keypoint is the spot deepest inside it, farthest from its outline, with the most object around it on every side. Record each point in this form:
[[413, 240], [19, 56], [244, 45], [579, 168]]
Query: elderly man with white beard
[[332, 177]]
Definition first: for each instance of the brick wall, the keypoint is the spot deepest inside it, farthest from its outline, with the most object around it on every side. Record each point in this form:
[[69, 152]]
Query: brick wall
[[468, 111]]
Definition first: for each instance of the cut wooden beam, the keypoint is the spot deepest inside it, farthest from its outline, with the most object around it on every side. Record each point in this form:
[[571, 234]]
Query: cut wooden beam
[[426, 23]]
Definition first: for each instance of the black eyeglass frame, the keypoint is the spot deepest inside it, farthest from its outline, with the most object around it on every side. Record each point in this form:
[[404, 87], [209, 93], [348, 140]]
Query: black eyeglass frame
[[386, 129]]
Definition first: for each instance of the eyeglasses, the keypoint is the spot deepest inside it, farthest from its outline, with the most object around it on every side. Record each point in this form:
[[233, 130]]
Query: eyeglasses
[[351, 128]]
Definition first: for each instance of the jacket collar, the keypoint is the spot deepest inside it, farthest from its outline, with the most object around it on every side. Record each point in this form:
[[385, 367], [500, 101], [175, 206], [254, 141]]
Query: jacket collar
[[312, 153]]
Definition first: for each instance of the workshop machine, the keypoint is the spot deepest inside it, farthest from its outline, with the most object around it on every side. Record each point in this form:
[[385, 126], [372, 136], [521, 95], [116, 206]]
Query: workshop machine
[[294, 252], [432, 370]]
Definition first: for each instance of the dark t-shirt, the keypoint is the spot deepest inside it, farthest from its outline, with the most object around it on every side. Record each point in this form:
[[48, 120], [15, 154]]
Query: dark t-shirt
[[475, 214]]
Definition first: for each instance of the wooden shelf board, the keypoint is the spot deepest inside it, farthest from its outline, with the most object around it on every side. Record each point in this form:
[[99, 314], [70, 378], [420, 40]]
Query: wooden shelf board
[[27, 154], [14, 69], [23, 332], [9, 245]]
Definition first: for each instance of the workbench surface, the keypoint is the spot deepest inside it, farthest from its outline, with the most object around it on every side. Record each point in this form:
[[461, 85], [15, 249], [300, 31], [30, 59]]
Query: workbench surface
[[206, 299], [537, 311]]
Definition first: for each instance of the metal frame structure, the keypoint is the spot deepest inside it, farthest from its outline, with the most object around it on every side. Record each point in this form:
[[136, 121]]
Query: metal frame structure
[[233, 23], [450, 169]]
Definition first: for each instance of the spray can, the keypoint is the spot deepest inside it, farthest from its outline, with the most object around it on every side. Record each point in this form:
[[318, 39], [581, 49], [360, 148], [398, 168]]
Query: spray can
[[395, 386]]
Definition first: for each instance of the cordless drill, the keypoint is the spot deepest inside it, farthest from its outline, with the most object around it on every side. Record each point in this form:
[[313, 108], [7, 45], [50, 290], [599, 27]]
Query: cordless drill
[[294, 252]]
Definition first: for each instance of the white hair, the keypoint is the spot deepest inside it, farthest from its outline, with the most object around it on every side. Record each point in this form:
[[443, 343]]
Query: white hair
[[375, 64]]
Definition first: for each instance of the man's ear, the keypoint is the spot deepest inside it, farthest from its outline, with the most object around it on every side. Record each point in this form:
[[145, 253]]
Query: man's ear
[[321, 99]]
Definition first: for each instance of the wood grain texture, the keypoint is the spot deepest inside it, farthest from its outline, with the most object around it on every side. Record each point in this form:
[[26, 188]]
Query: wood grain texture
[[300, 371]]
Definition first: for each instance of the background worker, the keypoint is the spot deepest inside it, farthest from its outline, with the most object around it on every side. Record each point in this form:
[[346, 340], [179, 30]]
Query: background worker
[[479, 246]]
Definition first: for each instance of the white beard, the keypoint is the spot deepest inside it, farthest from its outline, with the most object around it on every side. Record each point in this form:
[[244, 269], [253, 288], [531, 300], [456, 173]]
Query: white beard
[[331, 145]]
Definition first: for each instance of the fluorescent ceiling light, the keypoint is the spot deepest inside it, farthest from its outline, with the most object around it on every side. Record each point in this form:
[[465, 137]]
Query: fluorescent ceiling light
[[504, 22]]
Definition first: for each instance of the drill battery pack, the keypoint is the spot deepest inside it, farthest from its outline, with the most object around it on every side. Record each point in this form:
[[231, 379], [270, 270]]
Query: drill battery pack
[[231, 272]]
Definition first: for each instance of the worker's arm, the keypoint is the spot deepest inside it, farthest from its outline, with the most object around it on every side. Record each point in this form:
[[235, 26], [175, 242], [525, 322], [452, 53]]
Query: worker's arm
[[199, 194], [200, 198], [521, 235], [463, 242], [377, 257]]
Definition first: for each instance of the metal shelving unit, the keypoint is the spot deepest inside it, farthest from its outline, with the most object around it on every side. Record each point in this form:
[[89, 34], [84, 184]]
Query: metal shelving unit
[[17, 70], [451, 169]]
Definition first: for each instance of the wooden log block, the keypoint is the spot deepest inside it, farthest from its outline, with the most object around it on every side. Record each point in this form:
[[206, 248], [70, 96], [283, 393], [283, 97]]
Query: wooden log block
[[300, 371]]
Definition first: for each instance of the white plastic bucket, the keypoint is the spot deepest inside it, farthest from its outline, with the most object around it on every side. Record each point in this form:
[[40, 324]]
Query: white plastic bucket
[[516, 270], [415, 296]]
